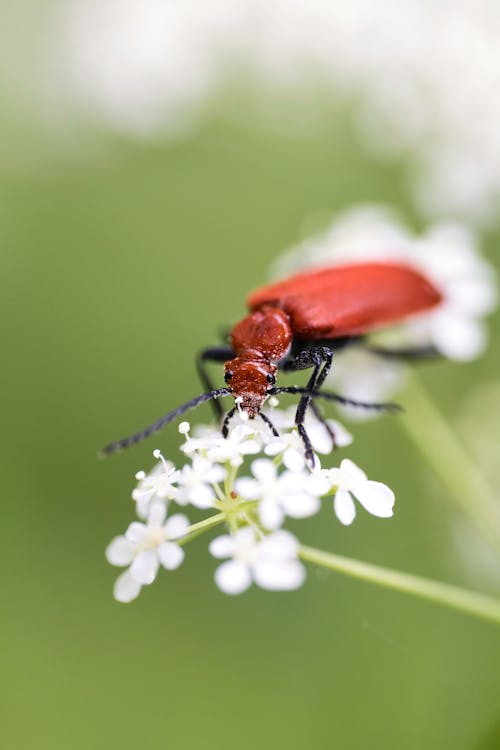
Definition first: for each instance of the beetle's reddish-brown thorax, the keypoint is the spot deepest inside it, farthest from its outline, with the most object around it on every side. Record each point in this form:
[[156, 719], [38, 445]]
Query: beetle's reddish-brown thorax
[[259, 341]]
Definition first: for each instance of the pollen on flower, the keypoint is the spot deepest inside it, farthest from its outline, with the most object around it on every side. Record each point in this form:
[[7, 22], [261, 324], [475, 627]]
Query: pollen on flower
[[184, 428]]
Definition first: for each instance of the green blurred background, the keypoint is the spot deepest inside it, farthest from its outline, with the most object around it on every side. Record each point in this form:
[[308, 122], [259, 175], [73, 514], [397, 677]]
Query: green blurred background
[[117, 266]]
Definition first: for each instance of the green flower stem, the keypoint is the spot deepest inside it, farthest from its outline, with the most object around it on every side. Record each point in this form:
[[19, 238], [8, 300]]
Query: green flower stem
[[199, 528], [470, 602], [228, 515], [451, 462]]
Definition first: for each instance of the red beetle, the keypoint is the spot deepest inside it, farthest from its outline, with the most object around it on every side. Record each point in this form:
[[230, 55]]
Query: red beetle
[[298, 324]]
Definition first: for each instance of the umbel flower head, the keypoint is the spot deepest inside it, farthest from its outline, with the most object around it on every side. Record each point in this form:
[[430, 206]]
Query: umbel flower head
[[251, 483]]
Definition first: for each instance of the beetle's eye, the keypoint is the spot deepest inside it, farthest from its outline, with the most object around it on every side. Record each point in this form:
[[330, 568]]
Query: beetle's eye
[[271, 379], [228, 375]]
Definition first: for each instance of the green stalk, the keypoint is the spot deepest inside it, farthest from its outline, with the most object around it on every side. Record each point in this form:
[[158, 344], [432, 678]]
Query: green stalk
[[199, 528], [457, 470], [469, 602]]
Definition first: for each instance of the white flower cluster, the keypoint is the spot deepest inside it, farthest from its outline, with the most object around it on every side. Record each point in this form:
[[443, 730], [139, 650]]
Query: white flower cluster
[[253, 507], [447, 254], [425, 73]]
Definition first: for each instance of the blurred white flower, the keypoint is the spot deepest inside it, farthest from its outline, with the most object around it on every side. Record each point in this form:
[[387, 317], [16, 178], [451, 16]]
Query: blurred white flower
[[270, 561], [290, 493], [145, 547], [448, 254], [350, 481], [157, 485], [147, 65]]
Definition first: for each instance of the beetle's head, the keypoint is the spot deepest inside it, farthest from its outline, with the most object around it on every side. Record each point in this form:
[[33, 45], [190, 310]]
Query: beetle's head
[[250, 378]]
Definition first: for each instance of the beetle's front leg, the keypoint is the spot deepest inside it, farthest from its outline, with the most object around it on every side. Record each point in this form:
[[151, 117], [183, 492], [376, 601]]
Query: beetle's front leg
[[319, 358]]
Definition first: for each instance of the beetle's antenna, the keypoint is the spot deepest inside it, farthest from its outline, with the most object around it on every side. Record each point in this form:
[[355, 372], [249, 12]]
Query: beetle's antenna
[[269, 424], [227, 419], [138, 437], [331, 396]]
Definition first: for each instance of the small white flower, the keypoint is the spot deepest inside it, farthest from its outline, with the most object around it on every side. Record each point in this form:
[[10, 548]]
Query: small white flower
[[195, 482], [157, 485], [203, 438], [350, 481], [242, 441], [270, 562], [290, 444], [145, 547], [289, 493]]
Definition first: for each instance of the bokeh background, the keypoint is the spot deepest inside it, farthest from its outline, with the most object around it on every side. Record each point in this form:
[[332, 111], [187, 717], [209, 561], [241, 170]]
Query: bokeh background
[[155, 159]]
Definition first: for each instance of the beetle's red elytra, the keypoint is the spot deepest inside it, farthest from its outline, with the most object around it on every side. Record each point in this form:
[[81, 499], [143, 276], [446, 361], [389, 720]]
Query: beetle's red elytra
[[328, 303], [298, 323]]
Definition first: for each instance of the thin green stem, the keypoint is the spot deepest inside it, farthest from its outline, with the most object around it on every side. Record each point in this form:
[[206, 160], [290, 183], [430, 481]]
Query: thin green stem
[[470, 602], [199, 528], [451, 462]]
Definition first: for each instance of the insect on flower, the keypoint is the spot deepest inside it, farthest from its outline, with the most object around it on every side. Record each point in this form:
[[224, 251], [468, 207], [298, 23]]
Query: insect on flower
[[299, 324]]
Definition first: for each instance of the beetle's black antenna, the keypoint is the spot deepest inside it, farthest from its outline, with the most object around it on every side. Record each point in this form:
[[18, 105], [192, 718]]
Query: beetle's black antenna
[[266, 419], [138, 437], [331, 396], [227, 419]]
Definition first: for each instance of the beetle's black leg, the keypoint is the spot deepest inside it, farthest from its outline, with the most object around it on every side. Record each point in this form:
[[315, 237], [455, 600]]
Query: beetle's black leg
[[388, 406], [320, 359], [212, 354], [319, 416], [408, 353]]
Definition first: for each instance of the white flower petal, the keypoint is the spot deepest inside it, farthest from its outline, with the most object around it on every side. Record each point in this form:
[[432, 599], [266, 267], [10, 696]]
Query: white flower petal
[[120, 551], [294, 459], [280, 576], [300, 504], [320, 438], [214, 474], [201, 496], [233, 577], [344, 507], [474, 296], [270, 514], [222, 546], [157, 513], [145, 566], [264, 470], [457, 336], [249, 447], [126, 588], [319, 483], [248, 488], [275, 446], [278, 546], [376, 498], [135, 532], [176, 526], [171, 555], [342, 436], [355, 473]]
